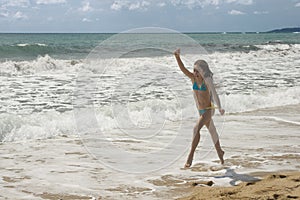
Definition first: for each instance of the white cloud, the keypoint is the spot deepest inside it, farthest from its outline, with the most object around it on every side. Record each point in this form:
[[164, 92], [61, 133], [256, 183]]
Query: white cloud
[[243, 2], [214, 2], [50, 1], [192, 4], [260, 12], [4, 14], [86, 7], [134, 6], [117, 5], [12, 15], [297, 4], [15, 3], [19, 15], [235, 12], [139, 5], [86, 20], [189, 3], [161, 4], [129, 5]]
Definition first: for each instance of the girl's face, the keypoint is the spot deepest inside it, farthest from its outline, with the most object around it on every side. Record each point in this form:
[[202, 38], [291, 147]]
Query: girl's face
[[197, 73]]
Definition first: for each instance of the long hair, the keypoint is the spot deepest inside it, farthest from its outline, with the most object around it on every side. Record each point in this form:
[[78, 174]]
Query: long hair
[[202, 64]]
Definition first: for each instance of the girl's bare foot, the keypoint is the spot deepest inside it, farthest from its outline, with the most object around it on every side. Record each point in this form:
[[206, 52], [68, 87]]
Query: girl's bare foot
[[187, 165]]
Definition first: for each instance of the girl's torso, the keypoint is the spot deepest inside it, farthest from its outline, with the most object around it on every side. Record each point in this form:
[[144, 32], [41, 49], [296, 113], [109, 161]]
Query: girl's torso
[[201, 95]]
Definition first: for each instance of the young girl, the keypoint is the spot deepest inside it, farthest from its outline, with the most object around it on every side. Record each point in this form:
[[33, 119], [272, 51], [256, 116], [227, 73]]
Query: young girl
[[204, 91]]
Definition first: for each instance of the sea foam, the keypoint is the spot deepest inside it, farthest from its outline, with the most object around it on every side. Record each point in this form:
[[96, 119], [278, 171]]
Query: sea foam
[[39, 97]]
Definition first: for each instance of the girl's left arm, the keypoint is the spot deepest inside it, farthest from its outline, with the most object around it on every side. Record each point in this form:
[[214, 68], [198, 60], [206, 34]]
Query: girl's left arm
[[209, 82]]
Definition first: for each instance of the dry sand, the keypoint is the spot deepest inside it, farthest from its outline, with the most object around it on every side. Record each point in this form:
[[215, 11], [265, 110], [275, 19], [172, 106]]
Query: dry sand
[[274, 186]]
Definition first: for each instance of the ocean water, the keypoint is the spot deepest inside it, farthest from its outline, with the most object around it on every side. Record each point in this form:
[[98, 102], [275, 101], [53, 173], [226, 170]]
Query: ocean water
[[40, 75], [126, 90]]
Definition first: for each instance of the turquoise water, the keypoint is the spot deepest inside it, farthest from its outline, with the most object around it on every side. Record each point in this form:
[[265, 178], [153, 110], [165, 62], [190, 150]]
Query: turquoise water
[[247, 38], [65, 46], [78, 46]]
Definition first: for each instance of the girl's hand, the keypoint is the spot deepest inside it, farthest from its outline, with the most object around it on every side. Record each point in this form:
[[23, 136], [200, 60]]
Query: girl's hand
[[177, 52], [222, 111]]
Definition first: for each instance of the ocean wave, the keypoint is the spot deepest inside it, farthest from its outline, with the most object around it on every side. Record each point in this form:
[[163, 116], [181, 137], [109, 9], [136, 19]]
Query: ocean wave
[[265, 98], [134, 115], [278, 47], [27, 51], [26, 44], [228, 48], [252, 81], [51, 123], [40, 64], [45, 125], [49, 63], [139, 115], [30, 51], [272, 46]]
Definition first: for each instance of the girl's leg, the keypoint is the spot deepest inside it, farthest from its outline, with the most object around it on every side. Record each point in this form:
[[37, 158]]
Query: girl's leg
[[196, 136], [215, 137], [195, 142]]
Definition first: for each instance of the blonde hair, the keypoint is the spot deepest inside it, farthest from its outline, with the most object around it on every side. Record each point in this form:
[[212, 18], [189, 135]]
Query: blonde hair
[[202, 64]]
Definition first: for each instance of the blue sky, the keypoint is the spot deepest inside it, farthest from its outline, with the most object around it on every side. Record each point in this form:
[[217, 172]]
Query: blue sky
[[122, 15]]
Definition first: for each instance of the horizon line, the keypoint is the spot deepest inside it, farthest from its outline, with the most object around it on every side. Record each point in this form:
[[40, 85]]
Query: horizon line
[[278, 30], [188, 32]]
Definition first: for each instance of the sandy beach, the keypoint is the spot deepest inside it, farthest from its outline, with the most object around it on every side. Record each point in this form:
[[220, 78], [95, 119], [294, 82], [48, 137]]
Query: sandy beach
[[283, 185]]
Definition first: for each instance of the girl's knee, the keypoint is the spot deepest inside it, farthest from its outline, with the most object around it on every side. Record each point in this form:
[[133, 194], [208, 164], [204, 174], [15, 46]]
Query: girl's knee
[[196, 130], [212, 129]]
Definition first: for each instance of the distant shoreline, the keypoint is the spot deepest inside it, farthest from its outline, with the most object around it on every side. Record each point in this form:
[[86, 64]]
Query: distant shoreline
[[285, 30]]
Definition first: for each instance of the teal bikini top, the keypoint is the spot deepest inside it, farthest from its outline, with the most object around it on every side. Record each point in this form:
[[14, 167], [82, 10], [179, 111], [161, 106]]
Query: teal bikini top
[[202, 87]]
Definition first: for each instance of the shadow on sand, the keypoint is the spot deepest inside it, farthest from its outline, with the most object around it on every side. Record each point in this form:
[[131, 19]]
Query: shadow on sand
[[230, 173]]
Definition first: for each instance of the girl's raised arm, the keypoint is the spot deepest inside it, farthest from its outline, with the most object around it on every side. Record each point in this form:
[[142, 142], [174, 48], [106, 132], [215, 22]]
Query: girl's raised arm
[[181, 65]]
